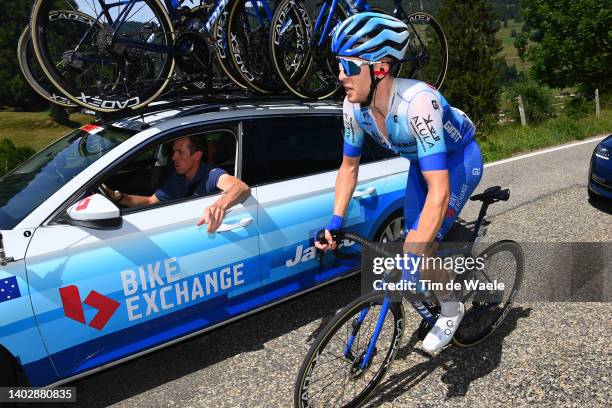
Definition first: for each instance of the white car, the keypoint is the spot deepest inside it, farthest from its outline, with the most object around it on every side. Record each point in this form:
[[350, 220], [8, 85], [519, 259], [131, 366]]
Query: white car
[[88, 284]]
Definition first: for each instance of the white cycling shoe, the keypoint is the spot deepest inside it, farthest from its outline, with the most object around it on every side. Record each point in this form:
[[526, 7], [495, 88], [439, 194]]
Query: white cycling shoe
[[442, 332]]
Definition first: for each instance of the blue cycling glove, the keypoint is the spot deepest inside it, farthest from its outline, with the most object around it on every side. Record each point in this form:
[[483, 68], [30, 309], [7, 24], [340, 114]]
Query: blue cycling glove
[[335, 223]]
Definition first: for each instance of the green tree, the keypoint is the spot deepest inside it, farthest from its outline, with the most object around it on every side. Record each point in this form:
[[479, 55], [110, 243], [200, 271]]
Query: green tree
[[472, 80], [11, 156], [537, 101], [14, 91], [572, 43]]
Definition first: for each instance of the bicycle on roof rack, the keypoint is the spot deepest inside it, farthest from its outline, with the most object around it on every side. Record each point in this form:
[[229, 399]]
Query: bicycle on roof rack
[[352, 354], [108, 55], [300, 45]]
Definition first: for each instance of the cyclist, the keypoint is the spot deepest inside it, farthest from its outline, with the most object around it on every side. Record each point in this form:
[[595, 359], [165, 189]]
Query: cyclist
[[413, 119]]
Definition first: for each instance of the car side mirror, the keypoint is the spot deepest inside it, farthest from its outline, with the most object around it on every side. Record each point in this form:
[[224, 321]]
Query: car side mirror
[[95, 211]]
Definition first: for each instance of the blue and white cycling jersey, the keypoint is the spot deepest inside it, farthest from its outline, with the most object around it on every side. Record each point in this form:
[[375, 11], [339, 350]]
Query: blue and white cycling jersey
[[420, 125], [425, 129]]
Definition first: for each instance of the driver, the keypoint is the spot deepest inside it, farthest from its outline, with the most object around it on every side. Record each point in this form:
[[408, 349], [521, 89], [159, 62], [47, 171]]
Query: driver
[[192, 177]]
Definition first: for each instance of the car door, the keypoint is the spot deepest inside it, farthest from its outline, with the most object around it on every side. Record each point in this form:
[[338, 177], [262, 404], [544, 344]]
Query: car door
[[293, 162], [103, 294]]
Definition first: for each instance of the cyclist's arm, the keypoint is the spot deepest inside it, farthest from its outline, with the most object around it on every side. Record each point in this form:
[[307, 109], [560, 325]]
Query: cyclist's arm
[[426, 125], [346, 181]]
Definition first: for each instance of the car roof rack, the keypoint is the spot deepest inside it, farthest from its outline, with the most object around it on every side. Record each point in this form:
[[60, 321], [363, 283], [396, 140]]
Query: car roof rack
[[199, 104]]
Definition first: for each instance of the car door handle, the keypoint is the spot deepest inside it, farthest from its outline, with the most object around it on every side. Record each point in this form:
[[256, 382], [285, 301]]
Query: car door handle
[[367, 192], [228, 227]]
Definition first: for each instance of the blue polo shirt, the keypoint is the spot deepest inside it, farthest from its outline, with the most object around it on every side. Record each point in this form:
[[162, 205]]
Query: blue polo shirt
[[204, 182]]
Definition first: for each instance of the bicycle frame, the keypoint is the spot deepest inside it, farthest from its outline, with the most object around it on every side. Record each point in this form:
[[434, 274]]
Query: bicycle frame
[[352, 7], [172, 6], [465, 250]]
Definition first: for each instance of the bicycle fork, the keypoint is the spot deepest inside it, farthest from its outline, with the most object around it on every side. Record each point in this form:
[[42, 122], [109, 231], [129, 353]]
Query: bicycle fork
[[419, 306], [372, 343]]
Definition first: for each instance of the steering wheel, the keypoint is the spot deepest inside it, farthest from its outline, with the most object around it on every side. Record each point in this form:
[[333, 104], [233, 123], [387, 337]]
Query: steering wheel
[[102, 191]]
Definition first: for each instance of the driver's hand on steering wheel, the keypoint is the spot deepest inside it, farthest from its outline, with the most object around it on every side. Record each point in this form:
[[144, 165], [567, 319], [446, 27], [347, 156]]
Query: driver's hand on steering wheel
[[331, 244], [113, 194]]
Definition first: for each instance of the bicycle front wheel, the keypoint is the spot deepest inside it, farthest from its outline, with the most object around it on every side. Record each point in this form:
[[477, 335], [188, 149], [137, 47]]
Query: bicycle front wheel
[[119, 56], [504, 263], [427, 56], [332, 374]]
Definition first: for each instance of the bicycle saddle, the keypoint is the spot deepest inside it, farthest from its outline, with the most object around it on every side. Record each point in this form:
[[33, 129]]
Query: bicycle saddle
[[492, 194]]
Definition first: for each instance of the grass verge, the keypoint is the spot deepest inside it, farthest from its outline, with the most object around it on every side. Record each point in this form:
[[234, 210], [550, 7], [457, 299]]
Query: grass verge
[[36, 129], [509, 140]]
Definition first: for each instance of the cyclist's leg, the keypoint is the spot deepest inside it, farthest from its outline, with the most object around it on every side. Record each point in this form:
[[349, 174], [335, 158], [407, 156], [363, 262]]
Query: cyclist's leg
[[414, 200], [465, 172]]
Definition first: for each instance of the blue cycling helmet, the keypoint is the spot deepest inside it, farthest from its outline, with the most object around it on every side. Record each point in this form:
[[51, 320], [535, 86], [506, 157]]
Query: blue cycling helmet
[[371, 36]]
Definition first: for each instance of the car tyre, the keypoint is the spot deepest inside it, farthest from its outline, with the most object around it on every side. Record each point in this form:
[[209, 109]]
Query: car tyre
[[593, 196], [391, 229], [8, 373]]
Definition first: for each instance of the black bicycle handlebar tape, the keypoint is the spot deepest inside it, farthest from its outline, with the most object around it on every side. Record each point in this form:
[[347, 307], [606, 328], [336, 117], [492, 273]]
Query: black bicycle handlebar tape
[[506, 194], [339, 235]]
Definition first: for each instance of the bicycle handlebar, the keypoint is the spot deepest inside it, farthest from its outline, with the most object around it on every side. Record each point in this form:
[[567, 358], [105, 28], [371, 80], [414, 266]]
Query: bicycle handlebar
[[338, 235]]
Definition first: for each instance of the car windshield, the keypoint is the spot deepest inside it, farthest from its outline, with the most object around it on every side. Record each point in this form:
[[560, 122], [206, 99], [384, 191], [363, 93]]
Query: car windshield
[[30, 184]]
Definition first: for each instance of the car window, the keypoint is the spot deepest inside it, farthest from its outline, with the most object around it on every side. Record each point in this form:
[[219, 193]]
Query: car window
[[284, 148], [33, 182], [153, 167]]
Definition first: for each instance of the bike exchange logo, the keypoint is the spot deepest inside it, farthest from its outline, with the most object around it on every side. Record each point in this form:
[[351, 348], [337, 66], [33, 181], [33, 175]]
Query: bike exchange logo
[[415, 277]]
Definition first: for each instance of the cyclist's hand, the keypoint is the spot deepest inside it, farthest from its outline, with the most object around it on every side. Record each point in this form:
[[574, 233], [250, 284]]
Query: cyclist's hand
[[330, 245]]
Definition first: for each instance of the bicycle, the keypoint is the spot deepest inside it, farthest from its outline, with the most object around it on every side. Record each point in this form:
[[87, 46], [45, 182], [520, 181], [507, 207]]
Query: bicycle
[[128, 57], [33, 74], [363, 338], [249, 48], [301, 54]]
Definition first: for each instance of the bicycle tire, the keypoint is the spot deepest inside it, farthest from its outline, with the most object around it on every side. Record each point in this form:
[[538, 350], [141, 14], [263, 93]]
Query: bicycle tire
[[26, 58], [489, 313], [428, 66], [248, 55], [305, 378], [220, 40], [318, 66], [100, 102]]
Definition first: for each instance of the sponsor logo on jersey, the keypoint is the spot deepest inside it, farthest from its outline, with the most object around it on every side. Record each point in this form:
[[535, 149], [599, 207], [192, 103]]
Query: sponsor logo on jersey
[[435, 105], [452, 131], [476, 171], [349, 132], [424, 130]]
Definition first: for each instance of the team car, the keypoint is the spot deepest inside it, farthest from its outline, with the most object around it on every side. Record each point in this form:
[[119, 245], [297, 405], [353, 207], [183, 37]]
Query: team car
[[600, 171], [86, 284]]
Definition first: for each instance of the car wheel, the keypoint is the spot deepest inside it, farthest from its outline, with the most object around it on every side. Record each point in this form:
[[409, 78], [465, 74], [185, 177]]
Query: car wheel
[[8, 374], [391, 228], [593, 196]]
